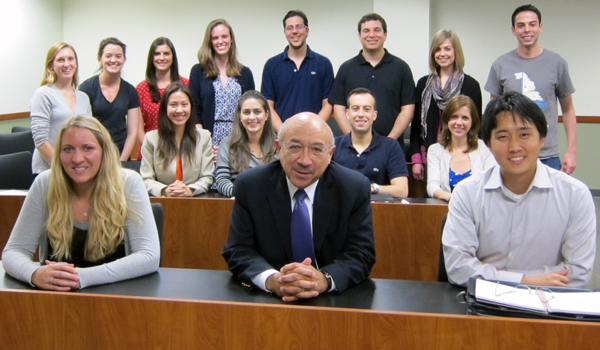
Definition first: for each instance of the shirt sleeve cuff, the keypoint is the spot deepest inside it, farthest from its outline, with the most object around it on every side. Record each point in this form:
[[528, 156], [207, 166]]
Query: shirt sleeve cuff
[[260, 280], [509, 276], [416, 159]]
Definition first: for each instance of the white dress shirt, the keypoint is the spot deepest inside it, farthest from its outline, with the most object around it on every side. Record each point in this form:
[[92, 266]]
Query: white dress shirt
[[493, 233], [260, 280]]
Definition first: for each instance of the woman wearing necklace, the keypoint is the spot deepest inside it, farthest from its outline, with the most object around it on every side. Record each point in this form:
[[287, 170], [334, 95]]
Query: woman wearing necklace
[[162, 69], [177, 158], [218, 81], [447, 79], [86, 214], [55, 101], [115, 102], [459, 153], [251, 143]]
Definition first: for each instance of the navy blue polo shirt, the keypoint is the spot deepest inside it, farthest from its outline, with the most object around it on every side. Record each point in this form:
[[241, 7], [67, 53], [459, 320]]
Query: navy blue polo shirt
[[297, 90], [391, 82], [382, 161]]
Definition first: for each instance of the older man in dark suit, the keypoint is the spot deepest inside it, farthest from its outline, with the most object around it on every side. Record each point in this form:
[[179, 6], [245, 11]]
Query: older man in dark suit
[[301, 226]]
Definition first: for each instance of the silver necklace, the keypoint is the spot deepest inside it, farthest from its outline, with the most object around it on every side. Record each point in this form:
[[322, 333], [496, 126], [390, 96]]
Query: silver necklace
[[85, 214]]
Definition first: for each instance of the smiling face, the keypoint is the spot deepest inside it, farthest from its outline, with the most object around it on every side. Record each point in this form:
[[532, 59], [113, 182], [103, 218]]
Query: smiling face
[[361, 112], [163, 58], [516, 145], [80, 156], [460, 123], [112, 59], [64, 65], [444, 55], [220, 39], [253, 116], [305, 148], [178, 109], [527, 29], [372, 37], [296, 32]]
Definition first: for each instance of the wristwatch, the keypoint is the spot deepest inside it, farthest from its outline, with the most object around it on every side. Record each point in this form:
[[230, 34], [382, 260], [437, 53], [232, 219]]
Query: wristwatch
[[329, 280], [374, 188]]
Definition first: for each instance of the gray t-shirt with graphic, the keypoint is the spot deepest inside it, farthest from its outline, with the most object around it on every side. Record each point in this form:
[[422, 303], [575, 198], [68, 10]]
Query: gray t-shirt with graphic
[[543, 79]]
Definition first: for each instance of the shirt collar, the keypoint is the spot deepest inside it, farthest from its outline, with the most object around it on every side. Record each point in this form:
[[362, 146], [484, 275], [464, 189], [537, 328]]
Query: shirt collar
[[310, 189], [387, 57], [309, 53], [541, 179]]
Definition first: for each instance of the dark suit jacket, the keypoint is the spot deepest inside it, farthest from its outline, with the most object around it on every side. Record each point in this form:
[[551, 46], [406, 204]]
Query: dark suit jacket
[[259, 233]]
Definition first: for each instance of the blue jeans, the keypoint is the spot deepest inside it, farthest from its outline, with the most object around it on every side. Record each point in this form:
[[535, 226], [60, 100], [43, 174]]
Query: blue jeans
[[553, 162]]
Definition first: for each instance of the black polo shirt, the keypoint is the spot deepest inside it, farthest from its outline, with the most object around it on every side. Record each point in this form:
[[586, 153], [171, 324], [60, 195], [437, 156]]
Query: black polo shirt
[[391, 82]]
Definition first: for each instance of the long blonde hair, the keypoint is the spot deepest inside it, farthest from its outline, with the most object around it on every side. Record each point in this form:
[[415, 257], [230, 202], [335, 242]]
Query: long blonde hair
[[206, 53], [106, 230], [49, 77]]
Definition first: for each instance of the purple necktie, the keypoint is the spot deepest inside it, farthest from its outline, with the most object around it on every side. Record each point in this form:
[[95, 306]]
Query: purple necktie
[[302, 241]]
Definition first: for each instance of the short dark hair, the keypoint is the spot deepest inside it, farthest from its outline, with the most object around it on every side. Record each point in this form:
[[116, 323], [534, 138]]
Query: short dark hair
[[372, 17], [361, 91], [294, 13], [524, 8], [520, 107]]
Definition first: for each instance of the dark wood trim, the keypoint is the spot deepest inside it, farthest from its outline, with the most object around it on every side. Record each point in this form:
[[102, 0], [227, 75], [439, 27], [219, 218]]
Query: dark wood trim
[[584, 119], [580, 119], [11, 116]]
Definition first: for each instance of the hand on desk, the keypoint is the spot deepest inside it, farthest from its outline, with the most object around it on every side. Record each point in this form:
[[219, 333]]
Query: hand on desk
[[297, 281], [57, 276], [548, 279]]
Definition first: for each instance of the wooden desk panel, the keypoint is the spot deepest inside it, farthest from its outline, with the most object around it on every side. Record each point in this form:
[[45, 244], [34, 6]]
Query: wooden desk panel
[[195, 231], [57, 320], [407, 236], [407, 240]]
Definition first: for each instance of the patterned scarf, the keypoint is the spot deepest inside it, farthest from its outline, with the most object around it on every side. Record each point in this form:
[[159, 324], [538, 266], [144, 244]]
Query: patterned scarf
[[441, 96]]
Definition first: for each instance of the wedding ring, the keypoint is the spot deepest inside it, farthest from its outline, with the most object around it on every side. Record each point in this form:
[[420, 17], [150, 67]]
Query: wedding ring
[[51, 279]]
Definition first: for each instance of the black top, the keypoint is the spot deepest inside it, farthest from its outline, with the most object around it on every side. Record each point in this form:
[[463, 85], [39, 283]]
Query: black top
[[112, 114], [78, 251], [434, 115], [391, 82]]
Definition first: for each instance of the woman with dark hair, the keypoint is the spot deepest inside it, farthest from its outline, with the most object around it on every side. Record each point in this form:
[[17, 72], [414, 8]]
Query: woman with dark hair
[[55, 101], [447, 79], [87, 215], [177, 159], [251, 143], [218, 81], [459, 153], [115, 102], [162, 69]]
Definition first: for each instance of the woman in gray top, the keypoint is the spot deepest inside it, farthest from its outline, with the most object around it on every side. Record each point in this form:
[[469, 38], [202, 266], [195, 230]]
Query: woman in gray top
[[55, 101], [86, 214], [251, 143]]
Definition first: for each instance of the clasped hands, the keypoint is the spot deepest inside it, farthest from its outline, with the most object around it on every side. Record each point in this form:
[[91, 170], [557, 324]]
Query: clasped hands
[[177, 189], [57, 276], [297, 281]]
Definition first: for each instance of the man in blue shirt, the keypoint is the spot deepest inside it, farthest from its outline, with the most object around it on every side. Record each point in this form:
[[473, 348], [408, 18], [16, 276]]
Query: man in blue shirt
[[299, 79], [377, 157]]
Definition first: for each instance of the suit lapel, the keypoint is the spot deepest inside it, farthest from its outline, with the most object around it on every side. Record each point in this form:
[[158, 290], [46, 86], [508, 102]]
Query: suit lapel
[[280, 204], [324, 201]]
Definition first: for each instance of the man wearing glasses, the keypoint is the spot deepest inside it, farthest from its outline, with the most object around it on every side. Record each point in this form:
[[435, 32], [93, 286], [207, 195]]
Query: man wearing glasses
[[301, 226], [299, 79], [521, 221], [377, 157]]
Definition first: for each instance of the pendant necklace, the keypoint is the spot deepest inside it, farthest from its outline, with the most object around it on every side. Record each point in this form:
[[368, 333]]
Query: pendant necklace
[[85, 214]]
